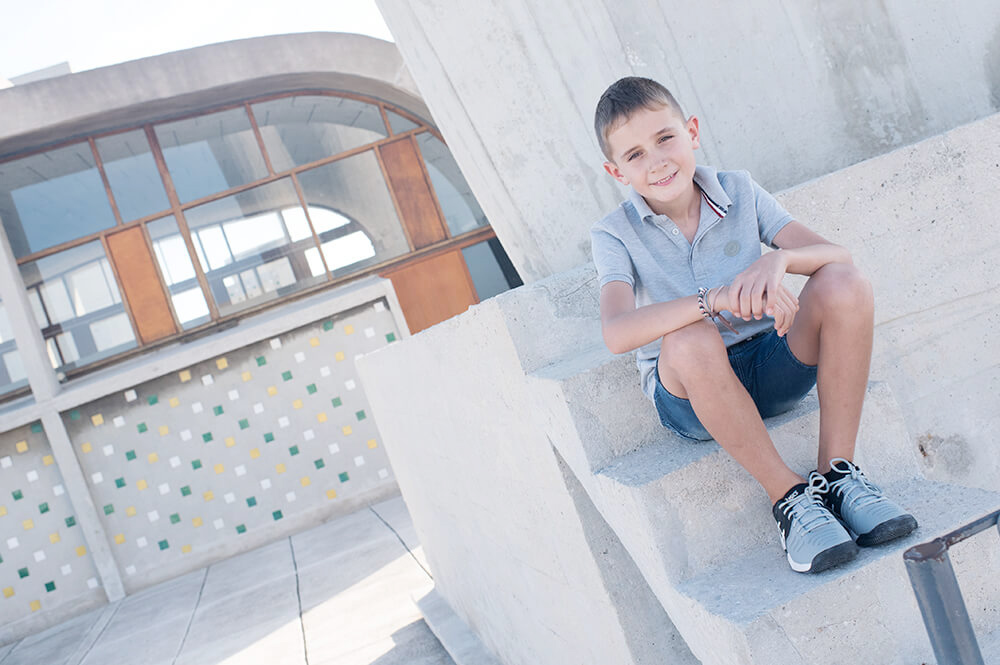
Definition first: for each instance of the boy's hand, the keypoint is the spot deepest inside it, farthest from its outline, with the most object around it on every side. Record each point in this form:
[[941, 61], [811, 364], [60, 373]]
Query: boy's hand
[[781, 304], [747, 295]]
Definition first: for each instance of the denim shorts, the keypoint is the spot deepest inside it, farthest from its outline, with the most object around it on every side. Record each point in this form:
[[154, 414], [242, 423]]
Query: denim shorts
[[775, 379]]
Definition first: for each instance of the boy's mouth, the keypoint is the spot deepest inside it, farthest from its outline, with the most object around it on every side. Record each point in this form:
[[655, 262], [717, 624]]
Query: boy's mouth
[[664, 181]]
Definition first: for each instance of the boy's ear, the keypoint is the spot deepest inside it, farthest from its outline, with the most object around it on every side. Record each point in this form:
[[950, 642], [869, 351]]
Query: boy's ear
[[615, 172], [693, 132]]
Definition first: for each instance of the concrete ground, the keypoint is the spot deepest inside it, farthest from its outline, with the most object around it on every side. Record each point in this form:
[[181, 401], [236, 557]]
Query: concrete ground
[[338, 594]]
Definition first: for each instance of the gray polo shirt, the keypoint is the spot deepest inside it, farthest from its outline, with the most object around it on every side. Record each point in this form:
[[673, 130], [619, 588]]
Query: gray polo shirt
[[649, 253]]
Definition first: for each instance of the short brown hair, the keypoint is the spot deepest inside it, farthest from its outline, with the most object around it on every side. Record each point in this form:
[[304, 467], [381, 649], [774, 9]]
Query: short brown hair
[[623, 98]]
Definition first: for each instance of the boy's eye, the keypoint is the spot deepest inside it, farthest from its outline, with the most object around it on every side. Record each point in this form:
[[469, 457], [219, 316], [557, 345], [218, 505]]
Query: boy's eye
[[632, 156], [665, 137]]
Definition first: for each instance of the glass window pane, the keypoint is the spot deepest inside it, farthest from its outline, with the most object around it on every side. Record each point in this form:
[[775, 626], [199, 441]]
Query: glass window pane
[[12, 375], [299, 130], [491, 270], [398, 123], [135, 181], [250, 251], [178, 272], [210, 153], [349, 196], [81, 303], [51, 198], [460, 208]]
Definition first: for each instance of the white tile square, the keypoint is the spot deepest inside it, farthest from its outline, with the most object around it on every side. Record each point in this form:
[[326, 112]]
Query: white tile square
[[349, 384], [333, 448], [13, 543], [141, 541], [164, 488], [92, 582], [197, 407], [129, 570], [218, 524], [290, 496], [369, 332], [58, 490], [258, 408], [175, 461], [283, 421], [275, 343], [265, 484], [108, 450], [39, 556], [130, 396], [65, 569], [118, 421], [185, 435], [324, 371], [207, 380], [32, 476], [241, 470], [234, 395], [229, 497], [379, 306], [153, 516], [300, 357], [359, 460], [98, 478], [5, 462], [383, 473], [309, 435]]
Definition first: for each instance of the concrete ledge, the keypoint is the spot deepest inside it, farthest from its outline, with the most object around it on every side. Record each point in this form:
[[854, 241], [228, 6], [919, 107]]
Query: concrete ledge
[[461, 643]]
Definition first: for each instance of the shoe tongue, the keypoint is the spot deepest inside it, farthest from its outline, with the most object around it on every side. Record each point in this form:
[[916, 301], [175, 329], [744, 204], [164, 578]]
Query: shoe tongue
[[834, 474], [792, 493]]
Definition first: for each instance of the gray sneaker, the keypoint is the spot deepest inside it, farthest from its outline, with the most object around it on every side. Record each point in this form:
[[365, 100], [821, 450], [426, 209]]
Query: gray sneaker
[[810, 534], [862, 507]]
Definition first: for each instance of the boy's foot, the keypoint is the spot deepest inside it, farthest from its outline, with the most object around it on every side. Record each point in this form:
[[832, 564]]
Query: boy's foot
[[810, 534], [862, 506]]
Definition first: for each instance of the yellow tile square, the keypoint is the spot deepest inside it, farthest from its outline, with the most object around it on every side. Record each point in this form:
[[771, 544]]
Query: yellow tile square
[[164, 430], [97, 419], [348, 330], [314, 341], [197, 521], [254, 453], [346, 429], [280, 468], [186, 549], [184, 376], [130, 511], [222, 363], [339, 355], [297, 404], [120, 539], [305, 482], [372, 443], [81, 550], [28, 525], [246, 376], [21, 446], [208, 496], [8, 591], [153, 458], [86, 447], [48, 460], [230, 442], [272, 391], [331, 494], [321, 417], [36, 605], [174, 402], [54, 538], [219, 468], [142, 484], [3, 510]]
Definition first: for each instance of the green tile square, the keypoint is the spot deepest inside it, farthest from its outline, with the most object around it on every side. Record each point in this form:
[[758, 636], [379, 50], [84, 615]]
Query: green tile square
[[360, 415], [277, 515], [108, 509], [344, 477], [175, 518], [130, 455], [286, 375], [251, 502], [36, 427], [163, 545], [23, 572], [328, 325], [336, 402], [43, 508], [240, 528], [196, 464], [119, 483], [261, 361], [390, 337], [17, 494], [74, 414], [50, 586], [244, 423], [293, 451], [152, 399], [311, 389], [268, 437], [206, 437], [142, 428], [70, 521], [186, 490], [217, 410], [319, 463]]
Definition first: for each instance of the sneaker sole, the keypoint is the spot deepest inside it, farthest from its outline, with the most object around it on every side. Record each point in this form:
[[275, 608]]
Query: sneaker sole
[[834, 556], [897, 527]]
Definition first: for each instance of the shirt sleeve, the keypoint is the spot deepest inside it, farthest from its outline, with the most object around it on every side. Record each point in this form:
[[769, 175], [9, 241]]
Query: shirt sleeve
[[771, 217], [611, 258]]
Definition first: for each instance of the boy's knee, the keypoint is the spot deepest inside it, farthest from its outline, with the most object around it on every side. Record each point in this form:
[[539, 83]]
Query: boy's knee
[[693, 346], [843, 286]]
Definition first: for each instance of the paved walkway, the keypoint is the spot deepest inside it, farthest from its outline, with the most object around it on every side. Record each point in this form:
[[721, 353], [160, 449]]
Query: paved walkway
[[338, 594]]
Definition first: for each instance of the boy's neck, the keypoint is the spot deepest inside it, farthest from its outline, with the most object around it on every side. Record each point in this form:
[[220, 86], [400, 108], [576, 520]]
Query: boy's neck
[[685, 211]]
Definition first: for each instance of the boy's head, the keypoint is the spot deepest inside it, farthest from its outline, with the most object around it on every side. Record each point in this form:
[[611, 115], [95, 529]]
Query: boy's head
[[623, 98]]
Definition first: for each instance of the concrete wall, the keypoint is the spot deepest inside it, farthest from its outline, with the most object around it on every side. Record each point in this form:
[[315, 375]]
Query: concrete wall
[[788, 90]]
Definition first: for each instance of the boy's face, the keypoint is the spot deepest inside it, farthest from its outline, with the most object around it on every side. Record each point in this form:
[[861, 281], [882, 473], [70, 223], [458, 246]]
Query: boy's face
[[654, 152]]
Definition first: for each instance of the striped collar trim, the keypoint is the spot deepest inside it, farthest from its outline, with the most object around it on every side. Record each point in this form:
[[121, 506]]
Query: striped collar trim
[[707, 180]]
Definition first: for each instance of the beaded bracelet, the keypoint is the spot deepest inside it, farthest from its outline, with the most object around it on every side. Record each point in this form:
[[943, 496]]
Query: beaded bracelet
[[708, 313]]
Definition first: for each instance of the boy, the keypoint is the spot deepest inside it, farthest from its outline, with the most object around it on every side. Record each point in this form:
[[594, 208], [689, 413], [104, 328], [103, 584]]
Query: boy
[[685, 249]]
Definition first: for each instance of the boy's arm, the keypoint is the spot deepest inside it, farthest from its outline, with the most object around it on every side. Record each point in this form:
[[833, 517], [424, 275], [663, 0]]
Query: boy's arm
[[626, 328]]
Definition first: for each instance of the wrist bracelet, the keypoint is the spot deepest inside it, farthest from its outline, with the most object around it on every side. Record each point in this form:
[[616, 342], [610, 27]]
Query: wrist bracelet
[[709, 313]]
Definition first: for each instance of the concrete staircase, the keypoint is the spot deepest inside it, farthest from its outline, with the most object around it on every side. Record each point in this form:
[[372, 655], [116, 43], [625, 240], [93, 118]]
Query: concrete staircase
[[700, 529]]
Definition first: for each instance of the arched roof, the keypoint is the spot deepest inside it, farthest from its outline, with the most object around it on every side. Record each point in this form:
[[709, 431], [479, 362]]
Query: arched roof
[[138, 91]]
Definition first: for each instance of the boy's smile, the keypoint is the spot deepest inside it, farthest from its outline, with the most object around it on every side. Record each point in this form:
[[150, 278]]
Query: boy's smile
[[654, 152]]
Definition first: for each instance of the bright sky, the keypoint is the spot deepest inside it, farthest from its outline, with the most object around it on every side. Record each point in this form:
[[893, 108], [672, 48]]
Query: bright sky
[[93, 33]]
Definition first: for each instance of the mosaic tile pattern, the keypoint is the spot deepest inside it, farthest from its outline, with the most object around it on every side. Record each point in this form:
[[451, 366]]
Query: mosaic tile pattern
[[236, 443], [44, 560]]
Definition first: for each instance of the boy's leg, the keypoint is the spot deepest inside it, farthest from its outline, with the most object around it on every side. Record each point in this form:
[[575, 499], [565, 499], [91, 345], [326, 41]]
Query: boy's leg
[[833, 330], [694, 365]]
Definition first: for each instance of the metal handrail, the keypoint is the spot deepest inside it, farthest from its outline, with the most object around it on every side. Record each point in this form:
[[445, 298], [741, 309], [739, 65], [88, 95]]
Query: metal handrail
[[939, 597]]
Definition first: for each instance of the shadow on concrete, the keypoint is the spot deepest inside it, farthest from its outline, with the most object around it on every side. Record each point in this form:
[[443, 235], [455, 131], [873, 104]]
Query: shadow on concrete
[[415, 645]]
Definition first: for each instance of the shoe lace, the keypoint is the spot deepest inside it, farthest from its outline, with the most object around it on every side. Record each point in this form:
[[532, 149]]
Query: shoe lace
[[854, 486], [808, 506]]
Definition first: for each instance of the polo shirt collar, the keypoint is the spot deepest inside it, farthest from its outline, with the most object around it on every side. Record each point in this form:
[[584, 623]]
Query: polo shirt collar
[[705, 177]]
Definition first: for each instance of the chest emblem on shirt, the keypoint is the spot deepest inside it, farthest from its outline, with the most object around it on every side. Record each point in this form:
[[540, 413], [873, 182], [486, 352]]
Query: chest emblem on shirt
[[732, 248]]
